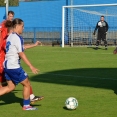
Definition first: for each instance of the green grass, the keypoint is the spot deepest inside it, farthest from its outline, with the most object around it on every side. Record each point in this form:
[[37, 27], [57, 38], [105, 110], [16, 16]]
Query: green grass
[[87, 74]]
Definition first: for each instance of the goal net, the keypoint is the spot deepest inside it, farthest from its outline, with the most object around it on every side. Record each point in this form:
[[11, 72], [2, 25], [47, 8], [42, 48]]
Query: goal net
[[79, 21]]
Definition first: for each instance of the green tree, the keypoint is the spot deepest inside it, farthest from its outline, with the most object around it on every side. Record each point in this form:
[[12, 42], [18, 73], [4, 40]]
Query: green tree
[[11, 3]]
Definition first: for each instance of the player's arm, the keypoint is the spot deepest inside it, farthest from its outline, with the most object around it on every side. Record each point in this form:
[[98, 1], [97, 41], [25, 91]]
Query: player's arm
[[25, 59], [20, 50], [107, 27], [27, 46], [95, 28]]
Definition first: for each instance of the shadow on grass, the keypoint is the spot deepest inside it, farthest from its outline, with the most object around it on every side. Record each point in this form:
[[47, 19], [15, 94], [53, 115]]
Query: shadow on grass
[[65, 108], [99, 48], [11, 98], [105, 78]]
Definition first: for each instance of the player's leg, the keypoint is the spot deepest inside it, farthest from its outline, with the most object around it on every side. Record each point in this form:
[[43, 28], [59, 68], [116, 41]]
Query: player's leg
[[0, 80], [19, 76], [34, 98], [98, 40], [3, 81], [23, 79], [2, 74], [26, 95], [8, 88], [10, 85], [106, 45], [97, 44], [105, 41]]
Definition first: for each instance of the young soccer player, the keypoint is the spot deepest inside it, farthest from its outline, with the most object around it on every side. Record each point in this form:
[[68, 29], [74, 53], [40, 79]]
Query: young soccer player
[[13, 71], [3, 34]]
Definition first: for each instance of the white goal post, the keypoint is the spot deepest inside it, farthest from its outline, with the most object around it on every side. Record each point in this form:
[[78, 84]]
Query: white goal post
[[71, 21], [7, 6]]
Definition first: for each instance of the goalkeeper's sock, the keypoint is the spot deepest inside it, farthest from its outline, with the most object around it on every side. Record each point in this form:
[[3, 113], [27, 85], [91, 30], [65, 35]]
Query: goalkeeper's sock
[[96, 47], [97, 43], [106, 48]]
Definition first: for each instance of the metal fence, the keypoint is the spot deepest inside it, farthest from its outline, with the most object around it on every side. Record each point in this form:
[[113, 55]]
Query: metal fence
[[47, 36], [52, 36]]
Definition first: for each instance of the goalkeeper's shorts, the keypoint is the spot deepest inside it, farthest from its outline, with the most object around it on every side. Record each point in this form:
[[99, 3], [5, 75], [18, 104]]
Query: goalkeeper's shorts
[[101, 36]]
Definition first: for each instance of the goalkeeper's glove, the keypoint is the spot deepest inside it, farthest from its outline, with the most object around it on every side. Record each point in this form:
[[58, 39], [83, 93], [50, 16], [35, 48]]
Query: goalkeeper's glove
[[105, 33], [94, 33]]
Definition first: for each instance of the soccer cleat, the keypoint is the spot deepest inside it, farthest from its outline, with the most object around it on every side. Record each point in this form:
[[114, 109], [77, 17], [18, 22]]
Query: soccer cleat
[[106, 48], [29, 108], [36, 98]]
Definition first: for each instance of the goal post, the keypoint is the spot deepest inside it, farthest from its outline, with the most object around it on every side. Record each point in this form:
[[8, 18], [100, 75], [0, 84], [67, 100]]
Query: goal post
[[79, 21], [7, 6]]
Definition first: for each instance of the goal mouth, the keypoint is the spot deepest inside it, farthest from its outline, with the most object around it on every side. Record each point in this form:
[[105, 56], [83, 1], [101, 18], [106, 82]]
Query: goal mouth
[[79, 21]]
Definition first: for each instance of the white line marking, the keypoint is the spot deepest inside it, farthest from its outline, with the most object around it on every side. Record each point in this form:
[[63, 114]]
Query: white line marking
[[79, 52]]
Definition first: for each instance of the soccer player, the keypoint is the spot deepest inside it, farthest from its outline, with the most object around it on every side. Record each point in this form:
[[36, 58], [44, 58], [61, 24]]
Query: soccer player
[[115, 51], [14, 73], [102, 27], [3, 34]]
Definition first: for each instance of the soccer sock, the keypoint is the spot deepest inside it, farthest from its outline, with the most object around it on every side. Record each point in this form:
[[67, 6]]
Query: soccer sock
[[31, 91], [32, 96], [105, 43], [97, 43], [26, 102]]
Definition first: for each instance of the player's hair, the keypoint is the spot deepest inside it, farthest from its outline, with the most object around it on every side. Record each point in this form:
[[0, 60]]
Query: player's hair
[[11, 12], [102, 16], [12, 24], [8, 25], [16, 21]]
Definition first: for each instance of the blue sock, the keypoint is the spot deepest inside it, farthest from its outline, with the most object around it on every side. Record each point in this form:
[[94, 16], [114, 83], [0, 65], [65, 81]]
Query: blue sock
[[26, 102]]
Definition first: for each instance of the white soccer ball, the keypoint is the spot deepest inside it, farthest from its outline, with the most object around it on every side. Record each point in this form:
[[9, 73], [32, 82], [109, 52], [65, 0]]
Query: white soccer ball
[[71, 103]]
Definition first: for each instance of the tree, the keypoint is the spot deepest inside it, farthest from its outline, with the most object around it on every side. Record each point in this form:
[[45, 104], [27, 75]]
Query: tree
[[11, 3]]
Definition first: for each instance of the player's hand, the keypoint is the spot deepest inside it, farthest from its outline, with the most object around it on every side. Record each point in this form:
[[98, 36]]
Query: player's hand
[[115, 51], [34, 70], [38, 43]]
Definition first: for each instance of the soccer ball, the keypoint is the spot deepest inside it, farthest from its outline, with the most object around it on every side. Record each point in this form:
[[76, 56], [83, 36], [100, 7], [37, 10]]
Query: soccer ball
[[71, 103]]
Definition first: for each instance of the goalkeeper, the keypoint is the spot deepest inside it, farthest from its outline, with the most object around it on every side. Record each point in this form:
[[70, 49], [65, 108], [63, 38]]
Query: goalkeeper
[[102, 27]]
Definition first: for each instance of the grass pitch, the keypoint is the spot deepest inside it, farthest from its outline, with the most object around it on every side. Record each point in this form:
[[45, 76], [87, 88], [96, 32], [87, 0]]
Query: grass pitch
[[87, 74]]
